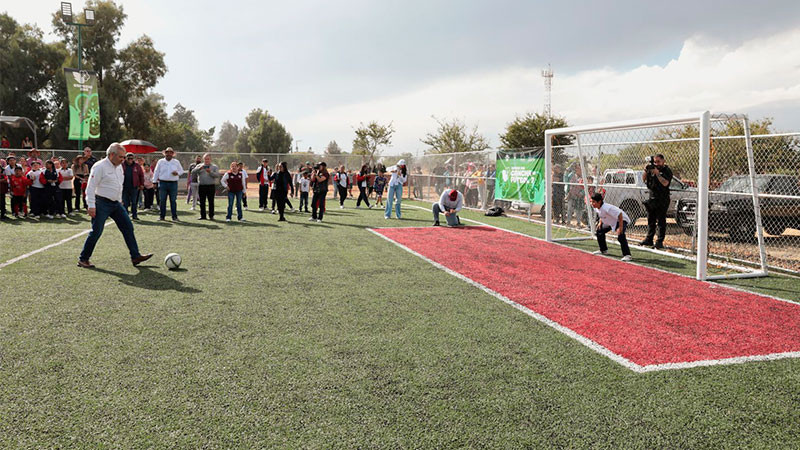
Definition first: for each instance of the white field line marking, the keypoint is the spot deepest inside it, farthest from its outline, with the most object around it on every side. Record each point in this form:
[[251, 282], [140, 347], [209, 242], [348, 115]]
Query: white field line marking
[[46, 247], [586, 341], [711, 283], [583, 340]]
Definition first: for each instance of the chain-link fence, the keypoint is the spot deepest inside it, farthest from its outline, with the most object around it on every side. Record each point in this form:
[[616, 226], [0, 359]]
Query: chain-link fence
[[616, 163]]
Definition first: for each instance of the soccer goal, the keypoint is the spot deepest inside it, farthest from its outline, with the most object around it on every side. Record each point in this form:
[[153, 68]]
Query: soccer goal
[[714, 215]]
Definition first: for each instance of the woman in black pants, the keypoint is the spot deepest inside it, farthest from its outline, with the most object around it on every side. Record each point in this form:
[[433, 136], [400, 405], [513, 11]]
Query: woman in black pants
[[319, 181], [361, 180], [80, 173], [341, 185], [281, 187]]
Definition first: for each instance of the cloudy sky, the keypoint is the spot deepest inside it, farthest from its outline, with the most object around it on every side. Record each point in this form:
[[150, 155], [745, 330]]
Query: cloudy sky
[[322, 67]]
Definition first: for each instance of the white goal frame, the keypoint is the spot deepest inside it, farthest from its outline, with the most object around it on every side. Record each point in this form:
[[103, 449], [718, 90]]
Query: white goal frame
[[703, 121]]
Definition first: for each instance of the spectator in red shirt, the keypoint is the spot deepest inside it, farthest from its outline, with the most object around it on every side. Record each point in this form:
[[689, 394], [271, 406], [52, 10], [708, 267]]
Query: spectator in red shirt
[[18, 185]]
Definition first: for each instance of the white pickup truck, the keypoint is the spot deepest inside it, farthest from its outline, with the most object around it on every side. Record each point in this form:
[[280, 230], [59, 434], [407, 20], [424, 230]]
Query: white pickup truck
[[625, 188]]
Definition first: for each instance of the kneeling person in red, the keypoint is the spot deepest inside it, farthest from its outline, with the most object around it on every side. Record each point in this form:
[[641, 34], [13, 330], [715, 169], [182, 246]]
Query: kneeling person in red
[[610, 218], [104, 198]]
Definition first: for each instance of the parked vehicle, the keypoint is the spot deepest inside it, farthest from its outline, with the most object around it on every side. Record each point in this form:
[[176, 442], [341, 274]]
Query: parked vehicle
[[625, 188], [731, 208]]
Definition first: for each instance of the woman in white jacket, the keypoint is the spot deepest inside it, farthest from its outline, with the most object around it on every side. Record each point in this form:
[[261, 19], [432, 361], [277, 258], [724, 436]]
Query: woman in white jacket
[[399, 177]]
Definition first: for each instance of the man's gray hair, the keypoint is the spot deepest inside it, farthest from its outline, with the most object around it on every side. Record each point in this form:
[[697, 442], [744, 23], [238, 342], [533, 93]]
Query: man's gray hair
[[115, 147]]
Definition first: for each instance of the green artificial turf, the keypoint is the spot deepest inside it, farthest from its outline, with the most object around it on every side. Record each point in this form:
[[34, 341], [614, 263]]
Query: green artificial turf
[[301, 334]]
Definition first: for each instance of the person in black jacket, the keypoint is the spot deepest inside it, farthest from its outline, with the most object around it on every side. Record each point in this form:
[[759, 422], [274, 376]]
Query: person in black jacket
[[264, 175], [657, 176], [281, 188]]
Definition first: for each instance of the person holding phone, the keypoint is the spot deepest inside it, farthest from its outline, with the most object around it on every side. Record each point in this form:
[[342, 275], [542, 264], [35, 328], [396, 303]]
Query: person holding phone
[[207, 176], [399, 176]]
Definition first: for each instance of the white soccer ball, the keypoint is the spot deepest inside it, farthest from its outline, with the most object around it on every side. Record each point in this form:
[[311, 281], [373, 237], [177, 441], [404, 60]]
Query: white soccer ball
[[172, 261]]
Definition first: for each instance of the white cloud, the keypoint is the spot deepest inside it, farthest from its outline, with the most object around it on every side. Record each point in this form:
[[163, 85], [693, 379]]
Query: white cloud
[[705, 75]]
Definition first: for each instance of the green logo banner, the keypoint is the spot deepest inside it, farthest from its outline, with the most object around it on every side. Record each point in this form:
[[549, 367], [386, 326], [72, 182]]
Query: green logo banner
[[84, 105], [520, 176]]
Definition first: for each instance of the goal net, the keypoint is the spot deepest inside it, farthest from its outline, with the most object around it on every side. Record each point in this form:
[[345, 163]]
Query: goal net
[[714, 213]]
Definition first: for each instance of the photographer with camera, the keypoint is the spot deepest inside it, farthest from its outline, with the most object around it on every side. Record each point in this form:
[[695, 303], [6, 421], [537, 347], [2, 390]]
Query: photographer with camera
[[657, 176]]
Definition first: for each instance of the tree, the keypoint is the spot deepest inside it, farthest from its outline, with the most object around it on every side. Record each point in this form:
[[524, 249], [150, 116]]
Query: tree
[[195, 140], [371, 138], [263, 133], [228, 133], [333, 148], [528, 132], [29, 73], [270, 136], [452, 137], [184, 116]]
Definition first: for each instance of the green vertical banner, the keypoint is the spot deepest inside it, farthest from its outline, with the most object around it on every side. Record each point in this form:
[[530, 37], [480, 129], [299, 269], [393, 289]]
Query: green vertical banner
[[520, 176], [84, 105]]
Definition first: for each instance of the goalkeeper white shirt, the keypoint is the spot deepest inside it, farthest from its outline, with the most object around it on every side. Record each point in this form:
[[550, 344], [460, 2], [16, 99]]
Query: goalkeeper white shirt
[[609, 215]]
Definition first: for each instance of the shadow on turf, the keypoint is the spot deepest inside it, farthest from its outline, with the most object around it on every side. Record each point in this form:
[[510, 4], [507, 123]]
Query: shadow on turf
[[150, 279]]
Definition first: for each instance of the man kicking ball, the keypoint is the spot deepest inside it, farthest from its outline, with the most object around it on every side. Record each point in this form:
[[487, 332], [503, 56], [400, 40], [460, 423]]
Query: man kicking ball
[[450, 204], [104, 198]]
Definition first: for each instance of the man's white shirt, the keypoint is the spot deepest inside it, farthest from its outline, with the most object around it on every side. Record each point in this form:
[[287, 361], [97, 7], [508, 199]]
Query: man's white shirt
[[165, 168], [105, 180], [609, 215]]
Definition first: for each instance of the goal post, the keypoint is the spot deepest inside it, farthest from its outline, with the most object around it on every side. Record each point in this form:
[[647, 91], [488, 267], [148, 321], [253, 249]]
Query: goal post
[[610, 158]]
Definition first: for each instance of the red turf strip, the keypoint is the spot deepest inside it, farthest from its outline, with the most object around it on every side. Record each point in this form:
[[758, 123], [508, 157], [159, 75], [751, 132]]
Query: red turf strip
[[646, 316]]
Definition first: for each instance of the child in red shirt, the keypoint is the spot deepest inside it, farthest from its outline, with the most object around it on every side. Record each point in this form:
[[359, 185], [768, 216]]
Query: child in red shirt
[[18, 184]]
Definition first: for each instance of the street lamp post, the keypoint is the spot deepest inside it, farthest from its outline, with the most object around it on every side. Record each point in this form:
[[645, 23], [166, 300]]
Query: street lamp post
[[88, 16]]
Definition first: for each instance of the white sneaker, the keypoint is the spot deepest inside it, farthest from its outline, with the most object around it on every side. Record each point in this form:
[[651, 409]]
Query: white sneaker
[[260, 209], [191, 209], [599, 252], [242, 220], [227, 220], [358, 206], [274, 212], [294, 210], [370, 206], [341, 206], [319, 220], [48, 216], [63, 216], [386, 217], [627, 258], [311, 219]]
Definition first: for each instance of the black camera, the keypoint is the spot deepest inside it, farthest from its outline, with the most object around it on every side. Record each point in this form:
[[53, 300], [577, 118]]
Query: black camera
[[317, 167], [651, 163]]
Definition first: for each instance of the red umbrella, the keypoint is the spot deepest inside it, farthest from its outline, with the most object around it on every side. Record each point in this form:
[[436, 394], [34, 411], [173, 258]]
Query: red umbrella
[[138, 146]]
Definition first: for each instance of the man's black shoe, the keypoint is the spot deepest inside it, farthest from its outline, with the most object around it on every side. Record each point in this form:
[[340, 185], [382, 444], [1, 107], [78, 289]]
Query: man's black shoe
[[646, 243], [659, 245], [436, 224]]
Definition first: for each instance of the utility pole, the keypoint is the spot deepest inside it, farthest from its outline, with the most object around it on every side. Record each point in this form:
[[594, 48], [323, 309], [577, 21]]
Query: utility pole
[[547, 74]]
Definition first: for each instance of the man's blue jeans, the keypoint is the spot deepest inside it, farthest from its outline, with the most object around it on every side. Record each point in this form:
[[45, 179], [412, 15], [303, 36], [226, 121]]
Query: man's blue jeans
[[394, 191], [130, 198], [452, 219], [238, 197], [168, 188], [106, 208]]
